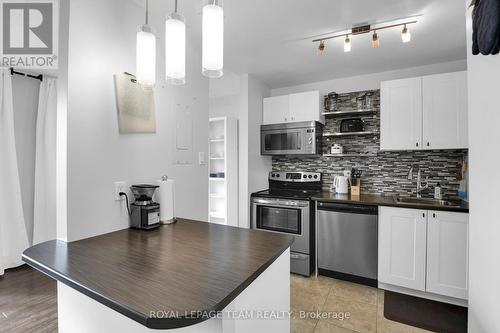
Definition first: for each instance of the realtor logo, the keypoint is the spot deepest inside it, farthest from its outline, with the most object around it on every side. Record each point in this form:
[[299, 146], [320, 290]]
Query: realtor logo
[[29, 34]]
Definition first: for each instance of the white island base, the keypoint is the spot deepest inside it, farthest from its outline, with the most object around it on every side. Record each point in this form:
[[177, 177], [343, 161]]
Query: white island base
[[264, 306]]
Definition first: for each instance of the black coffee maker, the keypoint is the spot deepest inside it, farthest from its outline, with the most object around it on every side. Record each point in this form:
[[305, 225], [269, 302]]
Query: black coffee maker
[[144, 212]]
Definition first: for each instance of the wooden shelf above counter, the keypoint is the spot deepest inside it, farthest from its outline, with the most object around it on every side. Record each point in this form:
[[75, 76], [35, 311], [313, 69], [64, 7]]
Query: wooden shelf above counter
[[338, 134], [351, 155], [353, 112]]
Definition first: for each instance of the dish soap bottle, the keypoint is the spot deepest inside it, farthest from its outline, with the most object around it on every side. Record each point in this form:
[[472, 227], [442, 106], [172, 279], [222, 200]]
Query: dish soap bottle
[[437, 192]]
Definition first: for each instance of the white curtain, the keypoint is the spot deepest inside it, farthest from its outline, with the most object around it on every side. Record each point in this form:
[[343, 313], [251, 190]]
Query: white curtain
[[13, 236], [44, 224]]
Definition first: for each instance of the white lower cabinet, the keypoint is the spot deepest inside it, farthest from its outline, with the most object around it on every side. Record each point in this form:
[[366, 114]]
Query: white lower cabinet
[[402, 247], [447, 253], [424, 250]]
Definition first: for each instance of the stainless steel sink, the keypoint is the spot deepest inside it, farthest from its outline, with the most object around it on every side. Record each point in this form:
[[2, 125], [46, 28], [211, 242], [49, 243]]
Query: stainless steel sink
[[425, 202]]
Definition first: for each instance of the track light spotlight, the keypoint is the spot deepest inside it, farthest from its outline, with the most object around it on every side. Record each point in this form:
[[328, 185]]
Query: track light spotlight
[[405, 35], [347, 44], [321, 48], [375, 40]]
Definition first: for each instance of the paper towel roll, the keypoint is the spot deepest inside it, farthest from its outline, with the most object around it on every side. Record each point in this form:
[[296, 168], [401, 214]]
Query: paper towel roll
[[166, 193]]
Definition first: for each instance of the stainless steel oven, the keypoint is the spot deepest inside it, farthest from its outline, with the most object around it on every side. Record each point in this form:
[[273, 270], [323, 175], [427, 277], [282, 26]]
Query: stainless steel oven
[[302, 138], [290, 217]]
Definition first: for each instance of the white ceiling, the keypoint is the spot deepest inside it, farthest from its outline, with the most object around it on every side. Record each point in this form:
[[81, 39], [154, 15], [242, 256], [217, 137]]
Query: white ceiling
[[271, 38]]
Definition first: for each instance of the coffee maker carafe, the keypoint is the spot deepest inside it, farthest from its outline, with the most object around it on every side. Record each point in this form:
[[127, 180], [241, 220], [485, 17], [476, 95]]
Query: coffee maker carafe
[[144, 212]]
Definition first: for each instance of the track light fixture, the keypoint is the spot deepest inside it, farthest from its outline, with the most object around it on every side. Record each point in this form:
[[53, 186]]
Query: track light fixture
[[321, 48], [360, 30], [375, 40]]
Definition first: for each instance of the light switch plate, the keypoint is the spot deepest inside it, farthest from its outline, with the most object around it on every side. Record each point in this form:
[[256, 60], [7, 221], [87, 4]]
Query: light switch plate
[[201, 158], [120, 187]]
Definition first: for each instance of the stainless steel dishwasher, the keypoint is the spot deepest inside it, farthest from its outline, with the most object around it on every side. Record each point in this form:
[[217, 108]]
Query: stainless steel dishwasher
[[348, 242]]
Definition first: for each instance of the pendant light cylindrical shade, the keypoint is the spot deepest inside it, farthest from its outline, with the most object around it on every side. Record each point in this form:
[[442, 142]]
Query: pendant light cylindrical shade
[[175, 49], [213, 39], [146, 56]]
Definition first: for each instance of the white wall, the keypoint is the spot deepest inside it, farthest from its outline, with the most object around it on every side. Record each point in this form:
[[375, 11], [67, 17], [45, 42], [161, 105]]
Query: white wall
[[240, 96], [254, 168], [371, 81], [484, 227], [101, 43], [62, 124]]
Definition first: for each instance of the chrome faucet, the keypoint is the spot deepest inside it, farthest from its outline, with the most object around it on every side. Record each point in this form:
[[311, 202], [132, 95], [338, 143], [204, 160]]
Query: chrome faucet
[[420, 186]]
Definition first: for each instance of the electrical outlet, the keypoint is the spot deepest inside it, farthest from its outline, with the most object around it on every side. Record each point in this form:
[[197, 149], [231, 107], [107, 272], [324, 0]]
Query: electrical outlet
[[120, 187]]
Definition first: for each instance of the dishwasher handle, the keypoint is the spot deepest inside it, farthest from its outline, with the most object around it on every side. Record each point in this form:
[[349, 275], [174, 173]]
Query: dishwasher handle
[[348, 208]]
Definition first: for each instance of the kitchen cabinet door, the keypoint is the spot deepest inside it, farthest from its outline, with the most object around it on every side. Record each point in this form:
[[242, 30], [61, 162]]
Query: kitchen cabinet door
[[402, 247], [445, 111], [305, 106], [276, 110], [447, 253], [401, 114]]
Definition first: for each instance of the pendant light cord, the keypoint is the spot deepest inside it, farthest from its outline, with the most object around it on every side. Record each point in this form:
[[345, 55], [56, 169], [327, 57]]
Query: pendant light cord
[[147, 11], [175, 9]]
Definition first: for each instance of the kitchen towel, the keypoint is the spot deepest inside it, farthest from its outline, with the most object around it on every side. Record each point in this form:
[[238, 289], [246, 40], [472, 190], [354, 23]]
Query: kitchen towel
[[165, 197]]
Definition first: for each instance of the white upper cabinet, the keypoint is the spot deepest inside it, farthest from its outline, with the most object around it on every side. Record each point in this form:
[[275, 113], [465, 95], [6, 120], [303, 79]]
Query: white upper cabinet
[[447, 253], [427, 112], [305, 106], [402, 247], [401, 114], [298, 107], [276, 109], [445, 111]]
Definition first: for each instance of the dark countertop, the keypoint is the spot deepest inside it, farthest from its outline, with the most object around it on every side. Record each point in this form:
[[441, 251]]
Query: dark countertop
[[184, 267], [383, 200]]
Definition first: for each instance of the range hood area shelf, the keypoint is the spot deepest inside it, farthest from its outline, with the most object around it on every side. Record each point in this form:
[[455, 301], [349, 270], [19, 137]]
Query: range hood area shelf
[[337, 134], [351, 155], [354, 112]]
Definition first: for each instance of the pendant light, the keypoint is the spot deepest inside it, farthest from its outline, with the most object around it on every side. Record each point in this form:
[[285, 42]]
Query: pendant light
[[213, 39], [146, 53], [405, 35], [175, 48], [347, 44]]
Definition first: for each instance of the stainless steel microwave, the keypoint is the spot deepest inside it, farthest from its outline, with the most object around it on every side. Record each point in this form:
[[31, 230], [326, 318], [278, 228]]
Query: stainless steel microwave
[[302, 138]]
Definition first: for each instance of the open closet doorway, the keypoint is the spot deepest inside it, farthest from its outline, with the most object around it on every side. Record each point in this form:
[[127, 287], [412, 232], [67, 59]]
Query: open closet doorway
[[28, 112]]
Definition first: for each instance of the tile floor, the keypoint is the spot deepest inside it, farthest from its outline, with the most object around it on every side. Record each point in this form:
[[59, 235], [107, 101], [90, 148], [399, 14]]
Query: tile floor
[[336, 299]]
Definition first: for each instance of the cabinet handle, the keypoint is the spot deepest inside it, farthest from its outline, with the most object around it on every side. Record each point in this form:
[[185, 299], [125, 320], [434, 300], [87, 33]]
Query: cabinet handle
[[423, 214], [428, 144], [434, 215], [416, 144]]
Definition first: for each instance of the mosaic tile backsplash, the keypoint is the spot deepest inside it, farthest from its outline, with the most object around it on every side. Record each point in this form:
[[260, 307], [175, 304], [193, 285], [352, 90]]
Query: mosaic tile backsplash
[[383, 172]]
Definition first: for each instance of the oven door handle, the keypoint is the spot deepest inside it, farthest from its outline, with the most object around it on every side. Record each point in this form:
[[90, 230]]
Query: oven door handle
[[281, 203], [298, 256]]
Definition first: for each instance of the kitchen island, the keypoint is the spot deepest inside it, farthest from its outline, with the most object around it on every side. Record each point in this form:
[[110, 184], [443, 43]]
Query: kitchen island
[[191, 276]]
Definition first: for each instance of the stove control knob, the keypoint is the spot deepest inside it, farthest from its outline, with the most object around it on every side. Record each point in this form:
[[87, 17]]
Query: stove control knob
[[310, 176], [315, 176], [277, 175], [305, 176]]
